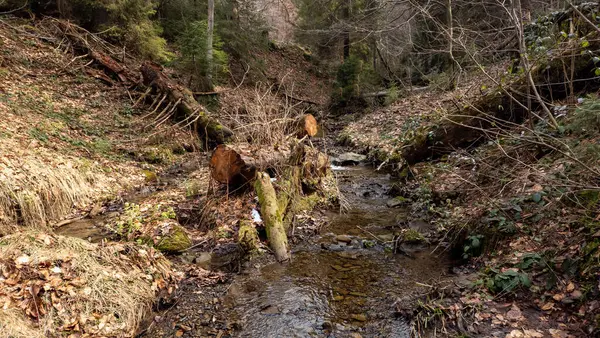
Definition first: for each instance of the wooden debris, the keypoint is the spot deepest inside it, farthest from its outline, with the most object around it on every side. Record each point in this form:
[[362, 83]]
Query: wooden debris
[[228, 167], [272, 216], [186, 105], [306, 125]]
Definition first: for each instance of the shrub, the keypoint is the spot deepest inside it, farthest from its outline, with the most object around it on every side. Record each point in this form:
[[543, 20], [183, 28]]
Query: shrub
[[507, 281], [586, 120], [347, 80], [392, 95]]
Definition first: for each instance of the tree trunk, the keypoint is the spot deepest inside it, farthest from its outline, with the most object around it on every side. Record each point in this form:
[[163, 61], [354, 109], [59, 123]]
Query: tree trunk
[[298, 187], [187, 106], [209, 43], [467, 125], [346, 31], [272, 215], [228, 167]]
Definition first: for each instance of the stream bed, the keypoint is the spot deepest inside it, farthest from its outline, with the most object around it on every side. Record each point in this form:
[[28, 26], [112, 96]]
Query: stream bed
[[345, 282]]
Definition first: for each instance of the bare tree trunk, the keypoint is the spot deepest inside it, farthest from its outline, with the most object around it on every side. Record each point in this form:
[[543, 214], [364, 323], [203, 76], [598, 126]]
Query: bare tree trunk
[[209, 42], [455, 68], [517, 15], [346, 32]]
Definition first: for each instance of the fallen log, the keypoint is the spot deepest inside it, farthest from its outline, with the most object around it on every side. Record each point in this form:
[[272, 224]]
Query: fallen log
[[306, 166], [228, 167], [81, 40], [237, 164], [181, 98], [297, 187], [186, 106], [469, 124], [122, 72], [272, 216]]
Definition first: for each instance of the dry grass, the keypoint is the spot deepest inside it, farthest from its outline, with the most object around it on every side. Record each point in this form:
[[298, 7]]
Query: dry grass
[[66, 139], [14, 325], [260, 116], [36, 193], [99, 290]]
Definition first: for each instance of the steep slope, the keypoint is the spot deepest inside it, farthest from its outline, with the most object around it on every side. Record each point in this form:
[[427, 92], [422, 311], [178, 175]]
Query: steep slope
[[67, 139]]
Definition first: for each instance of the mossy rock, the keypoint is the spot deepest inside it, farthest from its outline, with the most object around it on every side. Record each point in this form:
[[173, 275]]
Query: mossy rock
[[150, 176], [398, 201], [157, 155], [177, 240], [413, 236], [248, 237]]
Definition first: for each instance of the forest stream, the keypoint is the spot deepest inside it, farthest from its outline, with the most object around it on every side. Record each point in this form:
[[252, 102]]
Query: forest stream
[[344, 282]]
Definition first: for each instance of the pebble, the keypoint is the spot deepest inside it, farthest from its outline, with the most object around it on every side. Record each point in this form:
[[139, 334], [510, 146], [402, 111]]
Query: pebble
[[327, 326], [359, 317], [343, 238]]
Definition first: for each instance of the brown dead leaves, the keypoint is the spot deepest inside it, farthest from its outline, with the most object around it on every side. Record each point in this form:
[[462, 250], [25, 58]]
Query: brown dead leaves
[[68, 286]]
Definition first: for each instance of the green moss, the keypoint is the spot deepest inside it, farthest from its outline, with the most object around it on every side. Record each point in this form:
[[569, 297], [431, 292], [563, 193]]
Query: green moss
[[38, 134], [401, 199], [177, 240], [591, 265], [308, 203], [589, 198], [405, 172], [157, 155], [248, 237], [413, 236], [150, 176], [344, 139], [396, 157], [101, 146]]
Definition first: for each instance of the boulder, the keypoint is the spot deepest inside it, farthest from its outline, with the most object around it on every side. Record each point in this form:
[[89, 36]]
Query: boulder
[[349, 159], [175, 240], [397, 201]]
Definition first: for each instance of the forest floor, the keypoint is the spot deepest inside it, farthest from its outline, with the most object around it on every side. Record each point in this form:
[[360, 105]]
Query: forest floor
[[525, 242]]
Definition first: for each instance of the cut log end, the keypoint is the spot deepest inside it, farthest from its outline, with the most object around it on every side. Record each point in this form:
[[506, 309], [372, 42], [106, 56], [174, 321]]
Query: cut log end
[[225, 164], [307, 126], [228, 167]]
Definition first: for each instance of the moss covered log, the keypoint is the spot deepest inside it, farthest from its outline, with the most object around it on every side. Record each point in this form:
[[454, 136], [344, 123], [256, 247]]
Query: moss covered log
[[467, 125], [272, 214], [303, 184], [248, 237]]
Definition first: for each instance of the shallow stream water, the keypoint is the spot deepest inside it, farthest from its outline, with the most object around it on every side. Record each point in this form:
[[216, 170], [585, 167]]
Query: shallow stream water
[[346, 282]]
